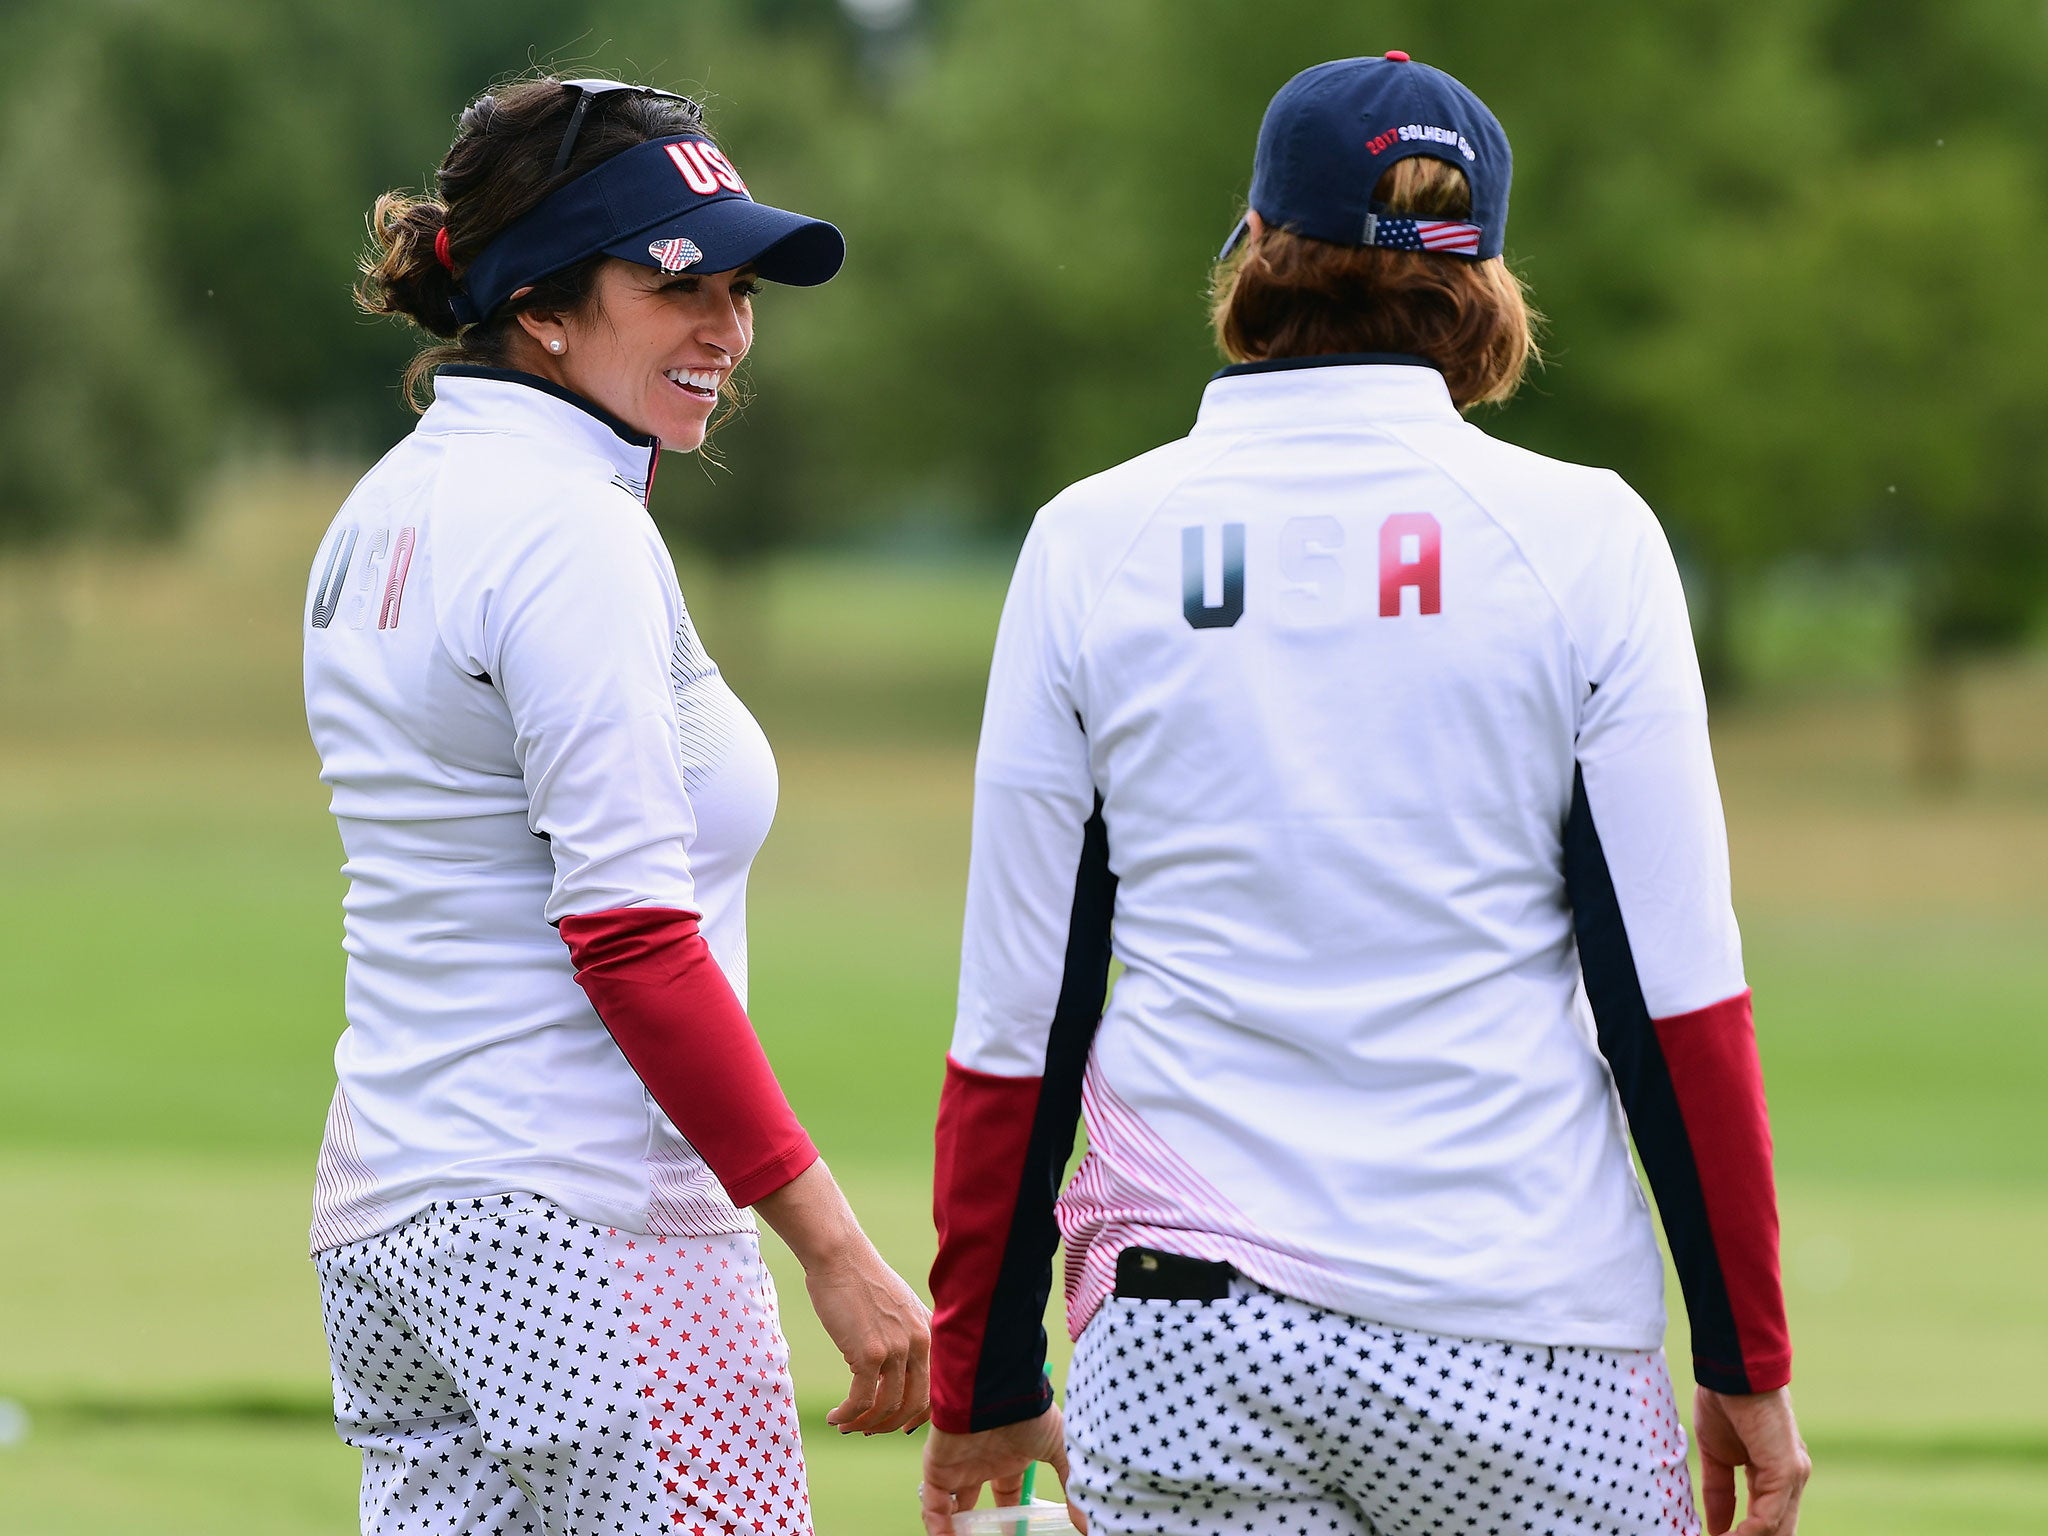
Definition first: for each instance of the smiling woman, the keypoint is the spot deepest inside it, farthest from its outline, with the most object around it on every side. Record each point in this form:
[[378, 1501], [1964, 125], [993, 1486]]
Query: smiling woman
[[648, 347], [555, 194], [550, 1102]]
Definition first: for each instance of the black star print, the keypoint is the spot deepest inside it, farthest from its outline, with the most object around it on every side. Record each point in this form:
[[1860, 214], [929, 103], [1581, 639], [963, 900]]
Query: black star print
[[1362, 1444]]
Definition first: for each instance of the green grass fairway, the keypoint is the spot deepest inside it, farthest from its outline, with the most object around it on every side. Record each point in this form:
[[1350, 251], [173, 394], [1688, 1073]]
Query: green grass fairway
[[169, 999]]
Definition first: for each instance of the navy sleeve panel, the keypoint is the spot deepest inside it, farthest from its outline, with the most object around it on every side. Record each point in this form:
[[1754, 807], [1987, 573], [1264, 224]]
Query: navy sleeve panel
[[1711, 1175], [1010, 1383], [1007, 1366]]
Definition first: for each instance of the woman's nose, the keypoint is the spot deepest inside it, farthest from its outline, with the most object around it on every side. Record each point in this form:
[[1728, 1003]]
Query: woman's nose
[[724, 328]]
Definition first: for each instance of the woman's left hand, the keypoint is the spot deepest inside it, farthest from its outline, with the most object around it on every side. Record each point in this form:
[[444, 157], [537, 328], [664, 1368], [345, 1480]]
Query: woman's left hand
[[956, 1466], [884, 1333], [874, 1317]]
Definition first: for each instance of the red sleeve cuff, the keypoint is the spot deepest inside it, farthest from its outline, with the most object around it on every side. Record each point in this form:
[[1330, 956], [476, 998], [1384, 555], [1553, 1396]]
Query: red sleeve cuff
[[1718, 1081], [983, 1137], [654, 983], [745, 1189]]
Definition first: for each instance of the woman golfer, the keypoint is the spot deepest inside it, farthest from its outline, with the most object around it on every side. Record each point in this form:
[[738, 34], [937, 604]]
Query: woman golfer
[[543, 1289], [1380, 748]]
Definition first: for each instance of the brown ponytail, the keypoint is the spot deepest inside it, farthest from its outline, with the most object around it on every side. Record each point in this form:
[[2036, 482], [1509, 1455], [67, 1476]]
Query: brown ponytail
[[402, 274]]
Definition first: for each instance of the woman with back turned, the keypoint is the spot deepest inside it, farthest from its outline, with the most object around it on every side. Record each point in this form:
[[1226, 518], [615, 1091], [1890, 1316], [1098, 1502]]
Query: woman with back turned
[[542, 1283], [1375, 750]]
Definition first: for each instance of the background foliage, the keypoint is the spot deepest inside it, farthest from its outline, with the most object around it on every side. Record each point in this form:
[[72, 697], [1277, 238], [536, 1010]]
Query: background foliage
[[1779, 242]]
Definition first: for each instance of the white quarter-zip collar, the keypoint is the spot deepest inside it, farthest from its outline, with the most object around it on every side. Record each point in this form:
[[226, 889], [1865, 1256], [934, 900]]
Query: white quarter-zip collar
[[472, 399], [1346, 387]]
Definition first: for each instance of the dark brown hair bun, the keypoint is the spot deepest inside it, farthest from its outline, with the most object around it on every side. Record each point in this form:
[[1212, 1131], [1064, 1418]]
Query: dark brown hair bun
[[402, 274]]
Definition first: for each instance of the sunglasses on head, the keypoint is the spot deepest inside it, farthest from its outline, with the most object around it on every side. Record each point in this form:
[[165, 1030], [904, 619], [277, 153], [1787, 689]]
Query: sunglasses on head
[[587, 92]]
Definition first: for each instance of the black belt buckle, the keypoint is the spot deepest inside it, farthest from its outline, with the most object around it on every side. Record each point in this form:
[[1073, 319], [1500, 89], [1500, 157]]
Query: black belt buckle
[[1147, 1274]]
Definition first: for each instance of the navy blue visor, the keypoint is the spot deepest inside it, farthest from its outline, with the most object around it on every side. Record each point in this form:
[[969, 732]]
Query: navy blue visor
[[674, 204]]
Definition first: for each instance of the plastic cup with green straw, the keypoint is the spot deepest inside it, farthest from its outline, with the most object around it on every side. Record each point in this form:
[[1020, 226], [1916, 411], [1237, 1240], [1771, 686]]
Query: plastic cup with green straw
[[1024, 1497]]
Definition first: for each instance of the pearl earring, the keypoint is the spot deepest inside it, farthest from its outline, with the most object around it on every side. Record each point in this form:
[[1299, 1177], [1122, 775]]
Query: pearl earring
[[554, 346]]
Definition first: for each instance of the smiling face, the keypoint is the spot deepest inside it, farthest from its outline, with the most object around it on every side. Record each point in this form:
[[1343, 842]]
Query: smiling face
[[653, 348]]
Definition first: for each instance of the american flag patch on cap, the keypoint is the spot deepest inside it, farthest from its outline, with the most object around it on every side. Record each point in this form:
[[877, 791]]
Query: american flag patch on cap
[[674, 255], [1397, 234]]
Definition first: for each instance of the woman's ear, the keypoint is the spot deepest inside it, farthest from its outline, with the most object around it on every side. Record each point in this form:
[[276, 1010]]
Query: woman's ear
[[545, 327]]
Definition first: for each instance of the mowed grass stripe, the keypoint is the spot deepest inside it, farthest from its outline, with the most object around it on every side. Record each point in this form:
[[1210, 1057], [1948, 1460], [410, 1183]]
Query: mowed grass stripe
[[173, 1277], [170, 959]]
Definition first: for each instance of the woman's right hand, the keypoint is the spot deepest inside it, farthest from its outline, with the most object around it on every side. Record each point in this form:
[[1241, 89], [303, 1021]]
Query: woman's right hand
[[882, 1329]]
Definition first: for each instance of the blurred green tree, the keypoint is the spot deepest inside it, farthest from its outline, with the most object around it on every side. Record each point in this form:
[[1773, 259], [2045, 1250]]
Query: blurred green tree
[[1776, 240], [102, 398], [264, 133], [1701, 208], [1852, 368]]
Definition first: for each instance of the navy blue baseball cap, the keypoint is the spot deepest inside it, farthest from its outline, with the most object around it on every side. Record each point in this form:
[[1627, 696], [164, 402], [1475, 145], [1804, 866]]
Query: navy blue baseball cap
[[1332, 131], [671, 203]]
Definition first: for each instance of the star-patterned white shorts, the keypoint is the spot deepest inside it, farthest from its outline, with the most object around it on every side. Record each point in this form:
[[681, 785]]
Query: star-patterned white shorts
[[1263, 1415], [506, 1368]]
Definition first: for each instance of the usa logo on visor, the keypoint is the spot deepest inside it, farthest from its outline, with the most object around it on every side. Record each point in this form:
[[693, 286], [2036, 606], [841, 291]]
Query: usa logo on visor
[[674, 255], [706, 170]]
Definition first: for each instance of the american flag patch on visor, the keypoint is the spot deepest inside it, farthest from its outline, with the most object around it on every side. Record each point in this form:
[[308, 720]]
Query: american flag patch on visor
[[1397, 234]]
